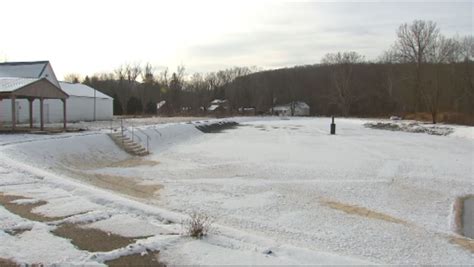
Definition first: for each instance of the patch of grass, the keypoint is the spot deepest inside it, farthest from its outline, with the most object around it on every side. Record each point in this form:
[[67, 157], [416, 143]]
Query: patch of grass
[[149, 259], [134, 162], [8, 263], [126, 185], [90, 239], [217, 127], [465, 243], [16, 231], [361, 211], [24, 210], [412, 127]]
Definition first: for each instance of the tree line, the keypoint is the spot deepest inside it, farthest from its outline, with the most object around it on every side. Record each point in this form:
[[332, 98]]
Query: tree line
[[423, 71]]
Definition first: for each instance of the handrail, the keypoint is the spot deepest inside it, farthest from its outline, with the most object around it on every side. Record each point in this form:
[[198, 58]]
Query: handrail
[[156, 130], [148, 138], [131, 129]]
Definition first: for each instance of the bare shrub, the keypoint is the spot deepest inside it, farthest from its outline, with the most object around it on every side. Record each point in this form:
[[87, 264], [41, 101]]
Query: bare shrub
[[198, 225]]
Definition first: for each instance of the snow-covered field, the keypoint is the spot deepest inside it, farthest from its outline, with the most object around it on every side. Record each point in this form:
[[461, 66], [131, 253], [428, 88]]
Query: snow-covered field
[[285, 186]]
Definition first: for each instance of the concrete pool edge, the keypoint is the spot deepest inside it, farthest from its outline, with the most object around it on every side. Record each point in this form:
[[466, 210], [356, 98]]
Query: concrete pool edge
[[458, 214]]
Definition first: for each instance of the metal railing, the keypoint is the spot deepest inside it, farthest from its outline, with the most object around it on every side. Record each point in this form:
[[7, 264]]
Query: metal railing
[[131, 129], [148, 138]]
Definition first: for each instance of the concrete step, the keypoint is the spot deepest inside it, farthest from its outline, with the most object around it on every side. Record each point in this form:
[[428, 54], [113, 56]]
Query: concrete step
[[143, 153], [134, 145], [139, 149], [127, 144]]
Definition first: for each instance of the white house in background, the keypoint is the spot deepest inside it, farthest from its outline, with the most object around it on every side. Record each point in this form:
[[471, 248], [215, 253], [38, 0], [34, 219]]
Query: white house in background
[[299, 109], [84, 103], [218, 105]]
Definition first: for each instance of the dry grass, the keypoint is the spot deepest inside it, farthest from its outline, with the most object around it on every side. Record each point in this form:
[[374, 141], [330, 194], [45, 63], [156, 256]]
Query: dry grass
[[90, 239], [17, 231], [97, 161], [121, 184], [198, 225], [361, 211], [133, 162], [463, 242], [8, 263], [24, 210], [148, 260]]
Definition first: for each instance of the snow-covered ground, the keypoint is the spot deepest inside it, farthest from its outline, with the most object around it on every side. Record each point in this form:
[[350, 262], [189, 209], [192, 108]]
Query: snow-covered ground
[[285, 186]]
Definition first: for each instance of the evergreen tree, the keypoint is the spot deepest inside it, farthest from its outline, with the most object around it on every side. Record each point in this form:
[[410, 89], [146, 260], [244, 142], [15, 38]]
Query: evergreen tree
[[117, 105], [134, 106], [150, 108]]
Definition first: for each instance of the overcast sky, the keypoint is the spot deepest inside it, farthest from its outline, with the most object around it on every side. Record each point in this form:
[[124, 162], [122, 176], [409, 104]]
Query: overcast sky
[[90, 36]]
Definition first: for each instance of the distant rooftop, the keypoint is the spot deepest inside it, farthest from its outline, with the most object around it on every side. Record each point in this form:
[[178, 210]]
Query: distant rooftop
[[79, 89], [31, 69], [8, 84]]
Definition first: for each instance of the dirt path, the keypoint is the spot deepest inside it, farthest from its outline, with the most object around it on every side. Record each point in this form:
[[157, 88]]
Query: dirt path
[[361, 211]]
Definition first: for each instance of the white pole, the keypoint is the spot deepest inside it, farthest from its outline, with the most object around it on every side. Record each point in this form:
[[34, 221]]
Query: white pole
[[94, 103]]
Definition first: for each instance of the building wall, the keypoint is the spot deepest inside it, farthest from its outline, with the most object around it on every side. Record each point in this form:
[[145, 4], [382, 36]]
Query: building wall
[[78, 109], [286, 111], [301, 111], [48, 73]]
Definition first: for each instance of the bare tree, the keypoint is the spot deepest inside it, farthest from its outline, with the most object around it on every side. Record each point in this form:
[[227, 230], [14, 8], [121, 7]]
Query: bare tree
[[466, 56], [163, 78], [341, 69], [414, 44], [147, 74], [132, 71], [181, 73], [442, 53], [120, 73], [388, 56], [466, 48], [73, 78]]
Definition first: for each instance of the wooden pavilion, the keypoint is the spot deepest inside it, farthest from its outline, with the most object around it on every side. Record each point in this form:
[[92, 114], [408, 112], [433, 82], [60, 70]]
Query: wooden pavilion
[[31, 89]]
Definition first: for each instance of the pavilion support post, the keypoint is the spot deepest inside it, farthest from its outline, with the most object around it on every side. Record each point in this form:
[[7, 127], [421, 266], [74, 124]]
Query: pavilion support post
[[41, 114], [64, 114], [30, 100], [13, 113]]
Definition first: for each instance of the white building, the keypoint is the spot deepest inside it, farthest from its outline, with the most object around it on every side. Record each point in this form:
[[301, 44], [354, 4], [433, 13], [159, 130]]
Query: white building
[[296, 108], [86, 103], [218, 105], [83, 104]]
